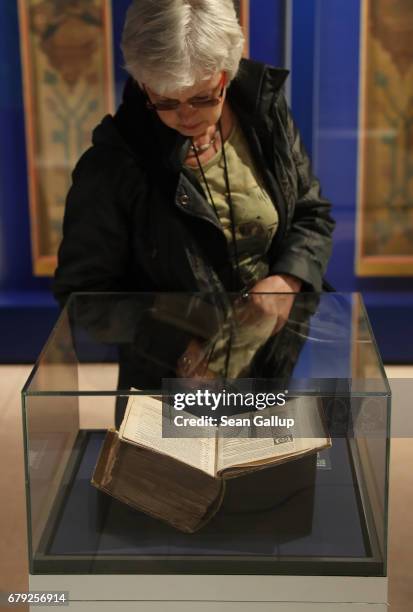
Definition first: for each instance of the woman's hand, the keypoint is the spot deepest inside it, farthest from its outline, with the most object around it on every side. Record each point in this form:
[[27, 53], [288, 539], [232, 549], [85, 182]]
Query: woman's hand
[[262, 303], [193, 363], [278, 306]]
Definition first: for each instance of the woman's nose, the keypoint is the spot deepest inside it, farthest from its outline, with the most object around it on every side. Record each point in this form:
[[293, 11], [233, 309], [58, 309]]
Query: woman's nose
[[185, 111]]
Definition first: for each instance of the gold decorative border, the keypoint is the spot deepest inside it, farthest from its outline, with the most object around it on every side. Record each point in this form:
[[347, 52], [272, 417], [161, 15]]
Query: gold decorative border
[[44, 265]]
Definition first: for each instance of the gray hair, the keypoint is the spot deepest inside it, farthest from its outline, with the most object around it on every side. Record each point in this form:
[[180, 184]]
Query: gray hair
[[173, 44]]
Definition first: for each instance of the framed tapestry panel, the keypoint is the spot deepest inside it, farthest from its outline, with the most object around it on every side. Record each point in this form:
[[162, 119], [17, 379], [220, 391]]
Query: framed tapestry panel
[[385, 202], [67, 61]]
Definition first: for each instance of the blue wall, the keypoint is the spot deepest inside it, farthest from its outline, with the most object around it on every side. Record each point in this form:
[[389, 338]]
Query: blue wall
[[302, 68], [324, 83], [267, 36], [324, 86], [334, 66], [27, 311], [15, 264]]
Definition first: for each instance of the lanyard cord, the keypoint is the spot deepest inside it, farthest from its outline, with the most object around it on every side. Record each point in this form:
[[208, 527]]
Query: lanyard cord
[[233, 234], [229, 200]]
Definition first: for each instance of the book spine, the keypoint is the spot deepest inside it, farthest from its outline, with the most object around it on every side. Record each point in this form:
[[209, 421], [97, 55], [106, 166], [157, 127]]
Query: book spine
[[106, 461]]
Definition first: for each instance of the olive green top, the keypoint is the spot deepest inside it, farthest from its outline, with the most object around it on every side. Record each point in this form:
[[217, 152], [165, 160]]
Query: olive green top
[[256, 218], [256, 221]]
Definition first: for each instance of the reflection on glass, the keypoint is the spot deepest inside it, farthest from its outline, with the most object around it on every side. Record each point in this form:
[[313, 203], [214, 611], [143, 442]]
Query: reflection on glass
[[327, 511]]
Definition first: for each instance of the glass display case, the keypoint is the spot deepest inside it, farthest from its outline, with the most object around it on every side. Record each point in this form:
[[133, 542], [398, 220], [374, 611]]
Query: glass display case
[[105, 348]]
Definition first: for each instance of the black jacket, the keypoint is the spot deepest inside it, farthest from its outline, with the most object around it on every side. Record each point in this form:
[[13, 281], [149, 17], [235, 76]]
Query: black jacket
[[137, 220]]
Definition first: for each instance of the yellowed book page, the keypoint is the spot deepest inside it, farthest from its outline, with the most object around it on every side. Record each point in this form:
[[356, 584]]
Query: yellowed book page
[[142, 425], [244, 451], [270, 443]]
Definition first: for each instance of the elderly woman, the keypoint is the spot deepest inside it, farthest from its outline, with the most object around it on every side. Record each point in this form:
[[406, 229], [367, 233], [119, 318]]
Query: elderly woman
[[199, 182]]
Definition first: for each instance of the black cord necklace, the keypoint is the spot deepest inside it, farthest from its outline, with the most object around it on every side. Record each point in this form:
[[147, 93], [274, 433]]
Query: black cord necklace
[[235, 284]]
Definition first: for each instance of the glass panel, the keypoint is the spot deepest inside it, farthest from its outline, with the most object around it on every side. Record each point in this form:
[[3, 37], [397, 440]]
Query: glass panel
[[322, 513]]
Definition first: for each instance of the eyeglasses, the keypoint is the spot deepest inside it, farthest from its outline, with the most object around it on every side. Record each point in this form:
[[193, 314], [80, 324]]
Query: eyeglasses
[[196, 102]]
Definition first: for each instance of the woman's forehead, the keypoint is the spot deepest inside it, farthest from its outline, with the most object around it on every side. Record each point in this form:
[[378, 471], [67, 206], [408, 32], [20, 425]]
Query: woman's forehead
[[201, 86]]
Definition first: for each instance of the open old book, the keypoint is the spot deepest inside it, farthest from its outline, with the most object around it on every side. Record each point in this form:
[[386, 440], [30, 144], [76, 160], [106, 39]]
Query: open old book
[[182, 480], [228, 451]]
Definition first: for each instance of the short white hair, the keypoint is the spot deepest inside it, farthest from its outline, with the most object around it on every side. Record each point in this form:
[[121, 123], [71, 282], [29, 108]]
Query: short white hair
[[173, 44]]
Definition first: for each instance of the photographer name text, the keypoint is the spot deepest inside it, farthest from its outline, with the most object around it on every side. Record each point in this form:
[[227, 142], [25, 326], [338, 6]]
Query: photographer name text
[[258, 420]]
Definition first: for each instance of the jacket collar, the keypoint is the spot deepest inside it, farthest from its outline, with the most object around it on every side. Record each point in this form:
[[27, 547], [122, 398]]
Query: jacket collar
[[255, 87], [251, 93]]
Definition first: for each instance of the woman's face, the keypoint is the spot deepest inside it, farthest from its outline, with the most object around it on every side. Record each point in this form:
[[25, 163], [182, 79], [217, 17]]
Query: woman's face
[[186, 119]]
